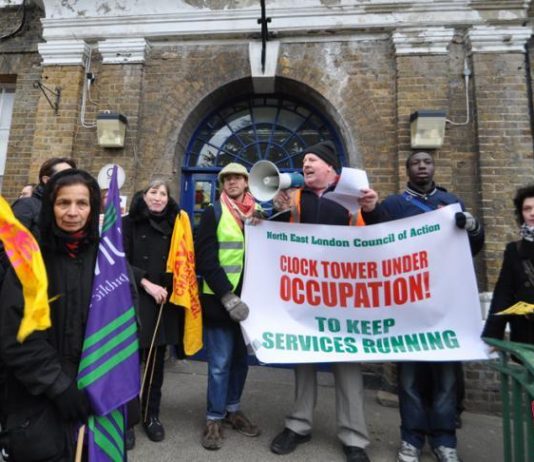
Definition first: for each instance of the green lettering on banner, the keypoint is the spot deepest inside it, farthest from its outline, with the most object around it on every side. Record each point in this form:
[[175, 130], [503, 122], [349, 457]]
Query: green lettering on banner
[[268, 340], [306, 343], [425, 229], [421, 341]]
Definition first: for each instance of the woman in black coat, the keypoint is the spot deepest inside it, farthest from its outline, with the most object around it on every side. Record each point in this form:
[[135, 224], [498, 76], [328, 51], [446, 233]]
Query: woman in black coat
[[516, 279], [41, 404], [147, 238]]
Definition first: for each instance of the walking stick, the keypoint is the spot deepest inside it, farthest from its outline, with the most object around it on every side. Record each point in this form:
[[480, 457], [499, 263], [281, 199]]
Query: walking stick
[[79, 444], [151, 360]]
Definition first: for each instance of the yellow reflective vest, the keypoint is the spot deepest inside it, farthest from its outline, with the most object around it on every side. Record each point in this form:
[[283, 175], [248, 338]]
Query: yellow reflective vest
[[231, 248]]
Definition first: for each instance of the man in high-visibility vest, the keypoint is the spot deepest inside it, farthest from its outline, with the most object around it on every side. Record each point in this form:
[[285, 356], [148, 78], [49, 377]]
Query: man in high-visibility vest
[[219, 249], [307, 205]]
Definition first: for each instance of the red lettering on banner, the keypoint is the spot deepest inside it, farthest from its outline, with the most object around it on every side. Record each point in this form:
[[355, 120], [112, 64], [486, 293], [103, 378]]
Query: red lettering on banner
[[371, 294]]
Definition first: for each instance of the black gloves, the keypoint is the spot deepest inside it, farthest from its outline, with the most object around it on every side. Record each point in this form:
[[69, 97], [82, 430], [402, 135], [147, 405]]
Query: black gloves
[[73, 404], [237, 309], [465, 220]]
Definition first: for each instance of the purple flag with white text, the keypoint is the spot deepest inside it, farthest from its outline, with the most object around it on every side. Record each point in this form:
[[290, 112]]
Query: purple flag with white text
[[109, 366]]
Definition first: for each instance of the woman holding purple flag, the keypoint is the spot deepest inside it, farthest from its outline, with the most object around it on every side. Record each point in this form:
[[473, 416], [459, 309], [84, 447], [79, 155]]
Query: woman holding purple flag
[[42, 406], [147, 233]]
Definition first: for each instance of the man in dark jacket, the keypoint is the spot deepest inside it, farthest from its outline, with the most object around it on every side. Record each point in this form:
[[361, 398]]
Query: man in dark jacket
[[308, 205], [27, 209], [219, 250], [427, 390]]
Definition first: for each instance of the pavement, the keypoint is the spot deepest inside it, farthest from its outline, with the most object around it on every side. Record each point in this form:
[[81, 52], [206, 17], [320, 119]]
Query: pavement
[[268, 397]]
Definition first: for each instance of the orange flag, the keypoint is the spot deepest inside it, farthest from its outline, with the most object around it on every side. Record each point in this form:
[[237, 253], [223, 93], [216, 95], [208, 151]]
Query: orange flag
[[27, 261], [181, 262]]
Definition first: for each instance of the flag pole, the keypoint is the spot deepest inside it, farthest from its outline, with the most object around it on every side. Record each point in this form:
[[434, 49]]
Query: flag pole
[[79, 444], [151, 359]]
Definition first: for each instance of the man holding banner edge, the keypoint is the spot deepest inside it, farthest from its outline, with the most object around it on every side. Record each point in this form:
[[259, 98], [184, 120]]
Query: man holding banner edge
[[307, 205], [439, 421]]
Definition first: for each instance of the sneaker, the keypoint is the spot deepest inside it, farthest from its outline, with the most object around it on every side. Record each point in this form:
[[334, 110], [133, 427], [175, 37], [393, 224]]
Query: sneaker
[[287, 441], [408, 453], [238, 421], [212, 438], [445, 454], [355, 454], [154, 429], [129, 439]]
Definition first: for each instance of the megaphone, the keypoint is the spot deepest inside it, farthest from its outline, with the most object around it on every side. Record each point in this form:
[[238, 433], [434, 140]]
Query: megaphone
[[265, 180]]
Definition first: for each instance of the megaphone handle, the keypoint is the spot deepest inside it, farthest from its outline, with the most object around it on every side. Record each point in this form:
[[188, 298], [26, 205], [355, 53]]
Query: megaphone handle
[[279, 213]]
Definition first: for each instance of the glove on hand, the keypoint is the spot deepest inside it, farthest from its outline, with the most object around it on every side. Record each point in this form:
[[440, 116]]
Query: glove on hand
[[237, 309], [73, 404], [465, 220]]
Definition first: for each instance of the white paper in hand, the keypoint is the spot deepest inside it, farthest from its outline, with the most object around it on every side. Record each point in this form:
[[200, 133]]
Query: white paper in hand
[[348, 188]]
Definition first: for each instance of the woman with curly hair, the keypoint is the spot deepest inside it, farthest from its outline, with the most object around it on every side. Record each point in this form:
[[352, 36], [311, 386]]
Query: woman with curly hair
[[516, 279]]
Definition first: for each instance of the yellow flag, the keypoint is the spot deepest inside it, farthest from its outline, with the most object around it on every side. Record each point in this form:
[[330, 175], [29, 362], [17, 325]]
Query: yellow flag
[[520, 308], [181, 263], [25, 257]]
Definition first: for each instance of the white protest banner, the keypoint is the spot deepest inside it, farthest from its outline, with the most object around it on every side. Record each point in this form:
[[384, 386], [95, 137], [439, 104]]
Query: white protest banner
[[396, 291]]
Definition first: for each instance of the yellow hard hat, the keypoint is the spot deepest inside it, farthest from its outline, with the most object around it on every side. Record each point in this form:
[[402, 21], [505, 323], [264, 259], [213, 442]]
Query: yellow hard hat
[[233, 168]]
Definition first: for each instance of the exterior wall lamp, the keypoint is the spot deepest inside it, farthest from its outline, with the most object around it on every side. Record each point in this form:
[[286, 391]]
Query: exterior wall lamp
[[111, 129], [427, 129]]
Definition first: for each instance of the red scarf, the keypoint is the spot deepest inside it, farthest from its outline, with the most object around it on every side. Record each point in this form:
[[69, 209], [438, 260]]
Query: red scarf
[[73, 243], [240, 210]]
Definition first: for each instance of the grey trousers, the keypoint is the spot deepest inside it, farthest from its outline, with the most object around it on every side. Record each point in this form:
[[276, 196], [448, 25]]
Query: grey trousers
[[351, 426]]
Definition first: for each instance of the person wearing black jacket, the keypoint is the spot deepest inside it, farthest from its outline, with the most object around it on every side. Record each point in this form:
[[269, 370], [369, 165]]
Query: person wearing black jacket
[[147, 231], [41, 403], [309, 205], [516, 278], [430, 393], [219, 249], [27, 209]]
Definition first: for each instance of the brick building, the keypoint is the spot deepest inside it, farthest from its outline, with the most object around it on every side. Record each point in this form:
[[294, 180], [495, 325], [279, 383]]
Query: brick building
[[186, 74]]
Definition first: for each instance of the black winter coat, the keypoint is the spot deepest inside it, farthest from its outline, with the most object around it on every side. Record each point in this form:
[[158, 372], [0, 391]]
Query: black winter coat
[[512, 286], [27, 210], [316, 209], [147, 240], [46, 363]]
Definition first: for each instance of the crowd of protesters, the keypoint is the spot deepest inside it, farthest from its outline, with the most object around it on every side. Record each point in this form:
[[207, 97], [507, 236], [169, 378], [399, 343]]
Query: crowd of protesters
[[39, 393]]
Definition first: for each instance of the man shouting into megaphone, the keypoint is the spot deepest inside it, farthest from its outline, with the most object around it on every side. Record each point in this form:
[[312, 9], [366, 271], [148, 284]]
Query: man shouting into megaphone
[[308, 205]]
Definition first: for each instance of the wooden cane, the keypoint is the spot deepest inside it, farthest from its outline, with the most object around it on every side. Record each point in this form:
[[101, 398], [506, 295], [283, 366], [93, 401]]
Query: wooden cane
[[79, 444], [151, 360]]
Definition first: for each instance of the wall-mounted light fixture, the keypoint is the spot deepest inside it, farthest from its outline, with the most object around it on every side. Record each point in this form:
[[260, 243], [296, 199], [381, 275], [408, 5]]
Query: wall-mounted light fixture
[[111, 129], [427, 129]]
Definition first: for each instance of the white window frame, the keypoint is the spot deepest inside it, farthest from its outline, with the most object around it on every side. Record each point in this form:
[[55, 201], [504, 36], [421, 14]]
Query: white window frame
[[7, 103]]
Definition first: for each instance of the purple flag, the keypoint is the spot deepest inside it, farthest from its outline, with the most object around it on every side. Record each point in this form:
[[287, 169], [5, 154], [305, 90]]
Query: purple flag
[[109, 366]]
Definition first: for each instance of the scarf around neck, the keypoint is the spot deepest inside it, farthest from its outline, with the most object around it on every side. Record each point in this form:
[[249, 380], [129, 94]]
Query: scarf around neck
[[240, 210], [527, 232]]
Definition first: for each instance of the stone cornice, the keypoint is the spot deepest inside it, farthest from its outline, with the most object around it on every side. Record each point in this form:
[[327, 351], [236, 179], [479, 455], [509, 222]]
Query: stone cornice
[[498, 39], [418, 41], [63, 52], [123, 51], [163, 20]]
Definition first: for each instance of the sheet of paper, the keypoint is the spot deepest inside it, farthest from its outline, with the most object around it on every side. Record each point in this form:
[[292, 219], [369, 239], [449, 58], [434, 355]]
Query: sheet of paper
[[348, 188]]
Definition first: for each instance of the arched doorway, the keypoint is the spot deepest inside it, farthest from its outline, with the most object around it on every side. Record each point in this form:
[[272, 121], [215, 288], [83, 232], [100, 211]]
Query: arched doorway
[[273, 127]]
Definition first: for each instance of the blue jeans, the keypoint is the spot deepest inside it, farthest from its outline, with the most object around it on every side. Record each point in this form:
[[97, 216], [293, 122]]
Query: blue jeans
[[227, 369], [427, 402]]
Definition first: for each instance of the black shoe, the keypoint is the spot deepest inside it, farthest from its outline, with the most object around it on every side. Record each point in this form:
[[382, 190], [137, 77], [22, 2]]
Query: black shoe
[[129, 439], [287, 441], [154, 429], [355, 454]]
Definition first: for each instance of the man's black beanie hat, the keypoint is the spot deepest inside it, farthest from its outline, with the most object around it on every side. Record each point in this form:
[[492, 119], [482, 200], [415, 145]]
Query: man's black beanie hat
[[326, 150]]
